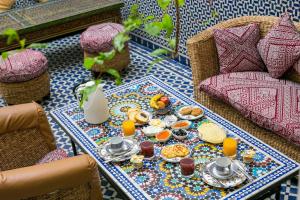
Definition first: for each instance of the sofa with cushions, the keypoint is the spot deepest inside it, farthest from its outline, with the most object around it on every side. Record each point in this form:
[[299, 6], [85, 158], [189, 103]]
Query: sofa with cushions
[[257, 88]]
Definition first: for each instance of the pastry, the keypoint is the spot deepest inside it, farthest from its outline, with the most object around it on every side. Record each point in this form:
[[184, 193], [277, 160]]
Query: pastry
[[186, 110], [196, 112], [141, 117], [212, 133], [132, 115]]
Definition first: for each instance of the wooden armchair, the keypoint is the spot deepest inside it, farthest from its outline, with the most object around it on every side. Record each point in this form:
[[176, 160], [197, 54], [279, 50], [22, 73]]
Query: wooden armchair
[[204, 61], [25, 137]]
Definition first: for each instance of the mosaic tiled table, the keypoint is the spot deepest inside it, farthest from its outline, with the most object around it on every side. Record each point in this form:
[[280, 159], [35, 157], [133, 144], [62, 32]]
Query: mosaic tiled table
[[162, 180]]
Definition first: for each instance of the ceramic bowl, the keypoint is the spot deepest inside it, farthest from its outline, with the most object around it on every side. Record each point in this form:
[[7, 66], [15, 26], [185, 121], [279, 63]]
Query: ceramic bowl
[[176, 127], [178, 135], [166, 139]]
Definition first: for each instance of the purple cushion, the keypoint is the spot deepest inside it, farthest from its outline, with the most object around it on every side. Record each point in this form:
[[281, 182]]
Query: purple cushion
[[237, 50], [57, 154], [280, 49], [98, 38], [271, 103], [22, 66]]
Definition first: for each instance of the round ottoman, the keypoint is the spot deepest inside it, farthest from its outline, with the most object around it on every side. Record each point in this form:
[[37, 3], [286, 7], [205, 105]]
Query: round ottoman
[[99, 38], [24, 77]]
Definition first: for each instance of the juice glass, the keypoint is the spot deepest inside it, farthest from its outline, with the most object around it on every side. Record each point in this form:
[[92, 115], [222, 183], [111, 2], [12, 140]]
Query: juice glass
[[230, 147], [187, 166], [128, 128], [147, 149]]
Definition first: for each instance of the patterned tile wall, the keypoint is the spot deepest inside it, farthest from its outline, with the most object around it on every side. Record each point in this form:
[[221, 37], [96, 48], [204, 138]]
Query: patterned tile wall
[[196, 11]]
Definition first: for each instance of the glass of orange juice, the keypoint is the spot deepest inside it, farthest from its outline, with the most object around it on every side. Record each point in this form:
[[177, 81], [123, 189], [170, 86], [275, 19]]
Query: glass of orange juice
[[230, 147], [128, 128]]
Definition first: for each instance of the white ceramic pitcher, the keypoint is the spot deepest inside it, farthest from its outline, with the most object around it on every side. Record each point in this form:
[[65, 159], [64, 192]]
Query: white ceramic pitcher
[[96, 107]]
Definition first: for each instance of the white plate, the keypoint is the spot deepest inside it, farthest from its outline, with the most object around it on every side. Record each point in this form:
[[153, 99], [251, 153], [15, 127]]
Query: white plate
[[189, 117], [233, 181], [177, 159]]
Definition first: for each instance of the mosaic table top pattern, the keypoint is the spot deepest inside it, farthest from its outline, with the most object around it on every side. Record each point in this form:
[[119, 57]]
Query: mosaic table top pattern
[[160, 179]]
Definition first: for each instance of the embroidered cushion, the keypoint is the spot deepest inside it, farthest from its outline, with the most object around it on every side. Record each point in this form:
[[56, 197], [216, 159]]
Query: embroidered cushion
[[271, 103], [280, 49], [98, 38], [237, 50], [22, 66], [57, 154]]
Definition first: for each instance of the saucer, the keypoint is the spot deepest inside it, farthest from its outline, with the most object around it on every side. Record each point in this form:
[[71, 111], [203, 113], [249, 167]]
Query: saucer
[[125, 148], [208, 177], [120, 156], [216, 174]]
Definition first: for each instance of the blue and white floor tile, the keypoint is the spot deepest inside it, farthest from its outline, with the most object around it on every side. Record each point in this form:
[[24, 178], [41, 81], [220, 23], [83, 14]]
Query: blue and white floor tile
[[66, 70]]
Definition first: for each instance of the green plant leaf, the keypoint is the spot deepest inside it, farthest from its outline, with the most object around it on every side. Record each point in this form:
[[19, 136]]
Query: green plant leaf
[[157, 60], [131, 24], [164, 4], [107, 55], [153, 28], [86, 92], [11, 35], [159, 52], [172, 43], [37, 46], [150, 17], [4, 55], [22, 43], [214, 14], [120, 40], [167, 24], [88, 63], [98, 60], [181, 2], [134, 10], [115, 73]]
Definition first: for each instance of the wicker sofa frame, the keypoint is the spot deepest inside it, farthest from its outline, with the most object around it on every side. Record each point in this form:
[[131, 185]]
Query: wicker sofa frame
[[204, 61]]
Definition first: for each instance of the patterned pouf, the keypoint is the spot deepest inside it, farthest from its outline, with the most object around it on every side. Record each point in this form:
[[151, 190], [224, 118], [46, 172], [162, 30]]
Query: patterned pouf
[[24, 77], [99, 38]]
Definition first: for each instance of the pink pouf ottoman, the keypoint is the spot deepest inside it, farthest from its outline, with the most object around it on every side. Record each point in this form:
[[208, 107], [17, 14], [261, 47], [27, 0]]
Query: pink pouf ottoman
[[24, 77], [99, 38]]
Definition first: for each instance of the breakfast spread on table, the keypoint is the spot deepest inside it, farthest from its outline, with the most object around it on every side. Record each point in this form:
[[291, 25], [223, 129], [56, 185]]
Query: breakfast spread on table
[[177, 126]]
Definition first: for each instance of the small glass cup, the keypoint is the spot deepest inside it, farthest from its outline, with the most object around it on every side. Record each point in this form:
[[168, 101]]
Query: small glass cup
[[187, 166], [147, 149], [230, 147], [128, 127]]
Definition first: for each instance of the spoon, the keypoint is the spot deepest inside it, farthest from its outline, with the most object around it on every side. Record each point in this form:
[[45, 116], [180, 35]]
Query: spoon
[[238, 167]]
